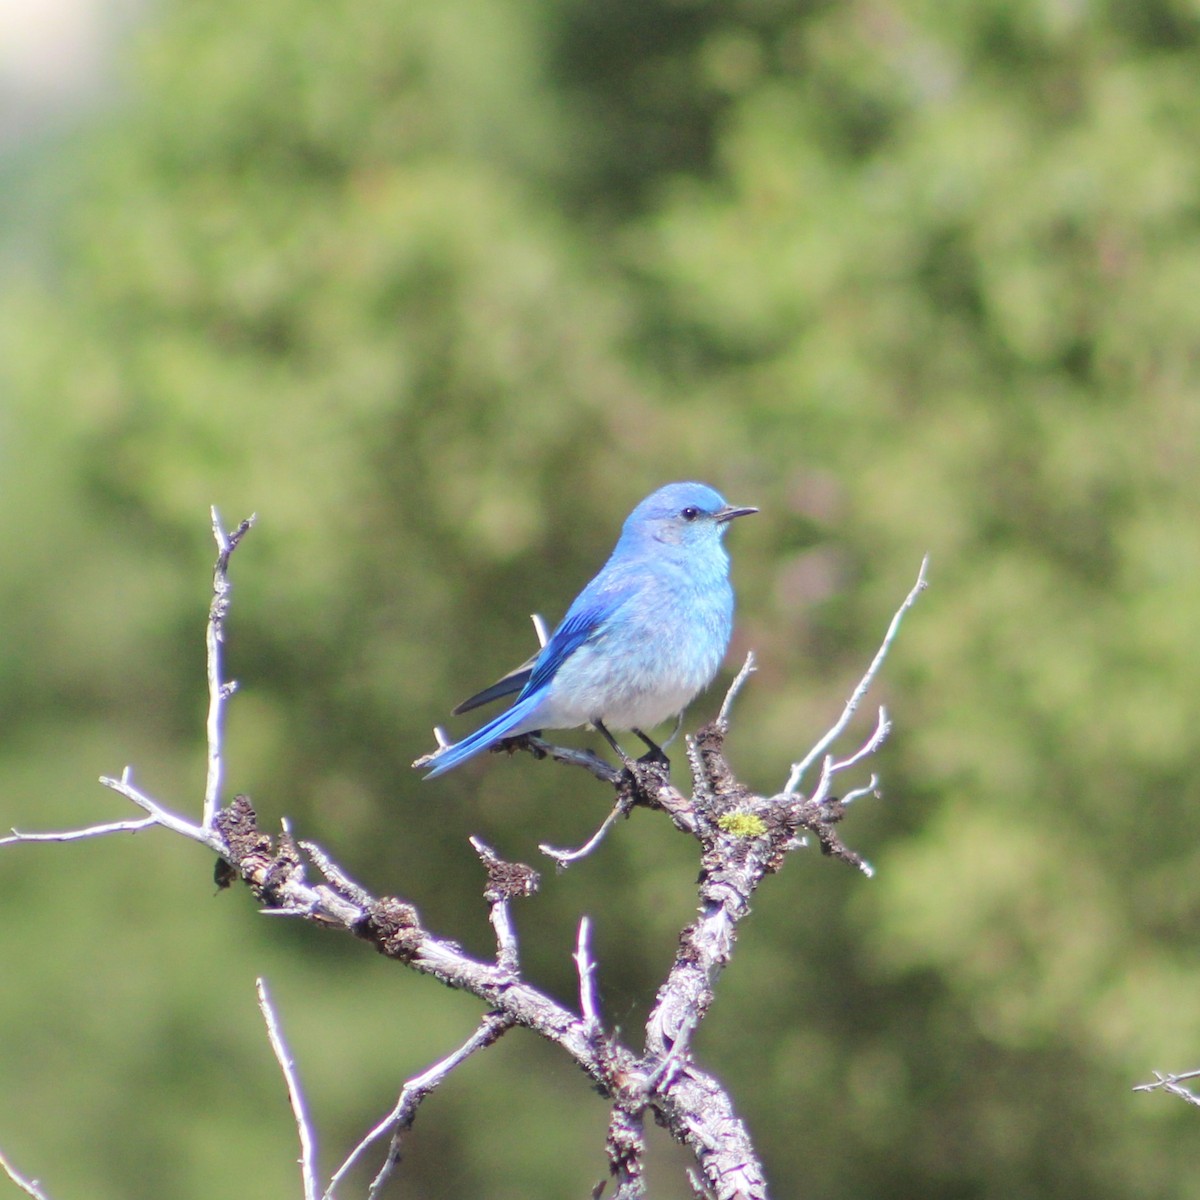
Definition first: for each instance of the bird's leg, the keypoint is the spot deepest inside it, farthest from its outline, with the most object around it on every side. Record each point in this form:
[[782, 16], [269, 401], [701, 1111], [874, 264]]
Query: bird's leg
[[645, 773], [612, 741], [654, 752]]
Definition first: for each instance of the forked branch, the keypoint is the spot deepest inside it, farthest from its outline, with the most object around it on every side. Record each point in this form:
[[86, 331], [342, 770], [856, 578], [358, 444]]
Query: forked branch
[[742, 838]]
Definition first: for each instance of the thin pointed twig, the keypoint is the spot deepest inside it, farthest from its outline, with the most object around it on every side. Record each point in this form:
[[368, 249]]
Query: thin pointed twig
[[586, 969], [74, 835], [163, 816], [156, 815], [308, 1163], [870, 788], [342, 883], [540, 628], [218, 690], [1172, 1084], [673, 734], [28, 1186], [883, 727], [798, 769], [832, 766], [748, 669], [564, 858], [401, 1117]]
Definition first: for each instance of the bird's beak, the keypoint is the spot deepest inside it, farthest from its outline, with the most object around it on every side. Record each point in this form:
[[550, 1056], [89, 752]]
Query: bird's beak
[[730, 511]]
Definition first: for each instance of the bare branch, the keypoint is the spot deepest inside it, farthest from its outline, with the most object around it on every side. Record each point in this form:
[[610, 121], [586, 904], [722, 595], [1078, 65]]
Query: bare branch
[[308, 1162], [870, 788], [342, 883], [28, 1186], [218, 690], [748, 669], [506, 881], [156, 815], [883, 727], [1172, 1084], [162, 816], [589, 760], [831, 766], [586, 970], [564, 858], [74, 835], [798, 769], [401, 1118], [743, 837]]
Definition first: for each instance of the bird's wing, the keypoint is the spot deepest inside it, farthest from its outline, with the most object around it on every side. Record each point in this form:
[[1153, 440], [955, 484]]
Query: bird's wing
[[514, 681], [594, 608]]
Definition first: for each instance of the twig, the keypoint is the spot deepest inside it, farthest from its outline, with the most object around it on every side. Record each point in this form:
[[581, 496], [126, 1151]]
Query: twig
[[798, 769], [883, 727], [28, 1186], [748, 669], [156, 814], [831, 766], [870, 788], [163, 816], [744, 838], [74, 835], [414, 1091], [674, 732], [589, 760], [586, 970], [342, 883], [1172, 1084], [308, 1162], [505, 882], [564, 858], [218, 690]]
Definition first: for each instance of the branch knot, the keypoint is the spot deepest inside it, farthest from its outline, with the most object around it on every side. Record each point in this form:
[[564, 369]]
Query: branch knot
[[393, 927]]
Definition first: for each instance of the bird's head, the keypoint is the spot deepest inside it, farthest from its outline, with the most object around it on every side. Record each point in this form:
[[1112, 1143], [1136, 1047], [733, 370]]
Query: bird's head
[[682, 514]]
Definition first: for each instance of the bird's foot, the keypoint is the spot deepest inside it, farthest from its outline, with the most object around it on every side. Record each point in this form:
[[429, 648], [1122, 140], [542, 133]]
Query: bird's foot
[[642, 781], [654, 752], [646, 774]]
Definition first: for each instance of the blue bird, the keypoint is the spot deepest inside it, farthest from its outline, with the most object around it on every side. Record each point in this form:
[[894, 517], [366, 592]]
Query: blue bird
[[640, 641]]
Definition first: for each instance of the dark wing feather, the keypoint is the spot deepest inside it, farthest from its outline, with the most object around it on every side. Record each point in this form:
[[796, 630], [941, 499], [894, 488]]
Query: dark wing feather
[[508, 684], [595, 605]]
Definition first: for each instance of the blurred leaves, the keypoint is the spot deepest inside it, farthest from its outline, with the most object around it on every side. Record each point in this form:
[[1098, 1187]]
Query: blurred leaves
[[441, 292]]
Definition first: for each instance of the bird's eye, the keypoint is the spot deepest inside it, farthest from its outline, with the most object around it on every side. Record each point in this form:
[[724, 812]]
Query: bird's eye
[[690, 513]]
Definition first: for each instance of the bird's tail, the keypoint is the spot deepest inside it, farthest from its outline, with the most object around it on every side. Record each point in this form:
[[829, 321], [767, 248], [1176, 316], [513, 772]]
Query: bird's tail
[[508, 724]]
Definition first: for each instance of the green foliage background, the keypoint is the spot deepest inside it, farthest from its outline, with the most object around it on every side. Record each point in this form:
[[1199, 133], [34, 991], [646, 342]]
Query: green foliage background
[[441, 290]]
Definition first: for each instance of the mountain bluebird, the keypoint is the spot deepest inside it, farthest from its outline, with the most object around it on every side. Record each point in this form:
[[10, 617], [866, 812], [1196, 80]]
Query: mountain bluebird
[[640, 641]]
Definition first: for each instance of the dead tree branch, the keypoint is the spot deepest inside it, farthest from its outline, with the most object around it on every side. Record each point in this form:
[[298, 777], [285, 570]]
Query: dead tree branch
[[743, 837], [1173, 1084], [28, 1186]]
